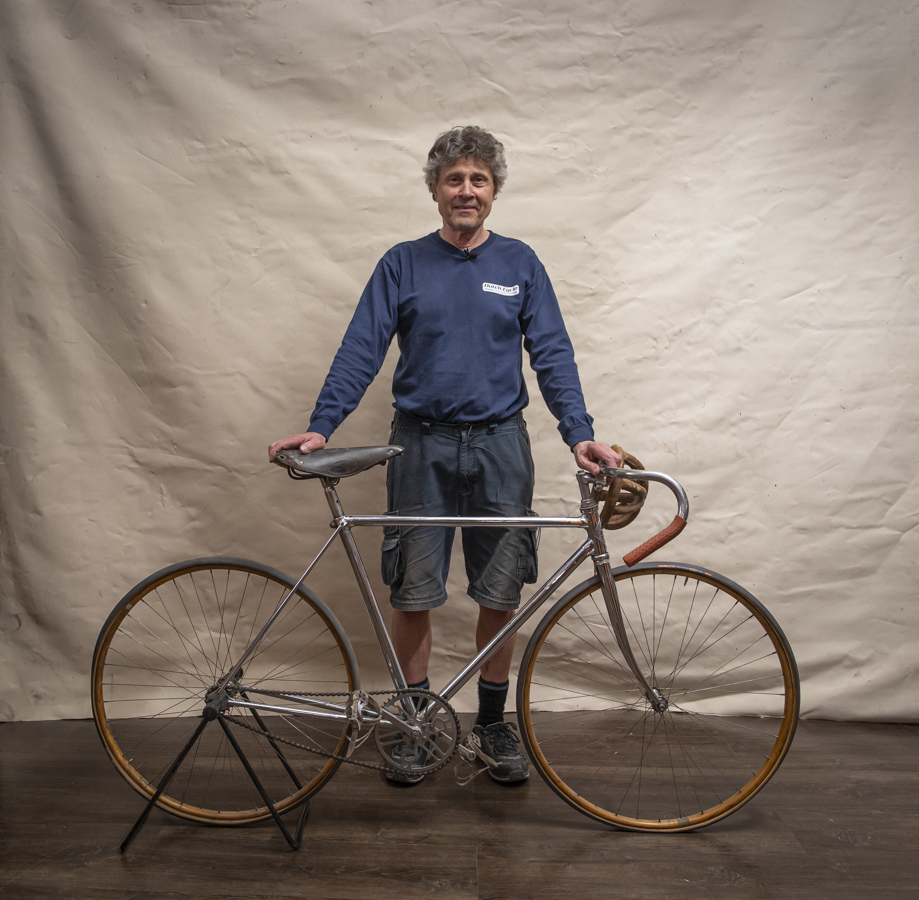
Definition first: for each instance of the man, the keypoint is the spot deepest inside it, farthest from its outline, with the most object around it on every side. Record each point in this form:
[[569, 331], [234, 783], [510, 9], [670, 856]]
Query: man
[[463, 302]]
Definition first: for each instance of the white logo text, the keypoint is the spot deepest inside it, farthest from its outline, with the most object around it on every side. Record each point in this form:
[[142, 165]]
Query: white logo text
[[500, 289]]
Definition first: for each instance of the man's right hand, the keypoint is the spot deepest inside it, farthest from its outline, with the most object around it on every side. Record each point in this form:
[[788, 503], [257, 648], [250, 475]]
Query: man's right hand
[[588, 454], [305, 443]]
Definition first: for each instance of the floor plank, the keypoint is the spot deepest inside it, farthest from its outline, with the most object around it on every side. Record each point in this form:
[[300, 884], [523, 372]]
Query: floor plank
[[839, 820]]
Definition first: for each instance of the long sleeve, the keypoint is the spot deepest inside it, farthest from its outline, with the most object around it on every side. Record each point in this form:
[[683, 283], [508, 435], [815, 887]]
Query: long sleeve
[[552, 358], [362, 350]]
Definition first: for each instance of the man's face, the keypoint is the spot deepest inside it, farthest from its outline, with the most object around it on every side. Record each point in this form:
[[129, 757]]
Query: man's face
[[464, 194]]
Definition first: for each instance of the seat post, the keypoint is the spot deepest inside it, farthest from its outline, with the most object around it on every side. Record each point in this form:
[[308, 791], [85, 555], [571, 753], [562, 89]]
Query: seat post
[[331, 496]]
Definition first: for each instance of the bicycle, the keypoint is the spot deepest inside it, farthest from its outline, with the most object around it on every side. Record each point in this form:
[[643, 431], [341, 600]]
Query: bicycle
[[653, 696]]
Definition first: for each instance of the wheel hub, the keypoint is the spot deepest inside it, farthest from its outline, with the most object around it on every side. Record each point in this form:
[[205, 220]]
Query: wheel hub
[[659, 703]]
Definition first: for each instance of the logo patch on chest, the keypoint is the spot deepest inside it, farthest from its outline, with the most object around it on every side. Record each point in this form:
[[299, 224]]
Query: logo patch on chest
[[500, 288]]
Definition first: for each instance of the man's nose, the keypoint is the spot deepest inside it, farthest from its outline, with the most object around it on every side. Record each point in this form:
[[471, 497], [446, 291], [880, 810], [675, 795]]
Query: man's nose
[[466, 188]]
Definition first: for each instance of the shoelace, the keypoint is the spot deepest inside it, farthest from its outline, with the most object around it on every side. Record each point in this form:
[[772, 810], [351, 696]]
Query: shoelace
[[503, 737]]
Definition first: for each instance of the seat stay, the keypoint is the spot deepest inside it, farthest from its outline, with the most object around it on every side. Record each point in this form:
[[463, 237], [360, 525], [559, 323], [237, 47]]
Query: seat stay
[[254, 643]]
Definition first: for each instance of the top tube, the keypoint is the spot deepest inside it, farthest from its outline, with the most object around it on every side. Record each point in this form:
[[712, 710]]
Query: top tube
[[470, 521]]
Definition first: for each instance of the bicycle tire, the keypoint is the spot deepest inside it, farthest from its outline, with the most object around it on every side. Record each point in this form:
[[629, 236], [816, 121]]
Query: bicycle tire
[[718, 658], [167, 643]]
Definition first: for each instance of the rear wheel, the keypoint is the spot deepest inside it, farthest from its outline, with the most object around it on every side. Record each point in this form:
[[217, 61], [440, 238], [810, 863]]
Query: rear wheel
[[170, 641], [720, 662]]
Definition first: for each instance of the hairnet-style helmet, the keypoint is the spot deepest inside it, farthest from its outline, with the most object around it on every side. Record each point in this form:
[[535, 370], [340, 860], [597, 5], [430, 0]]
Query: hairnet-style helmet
[[622, 498]]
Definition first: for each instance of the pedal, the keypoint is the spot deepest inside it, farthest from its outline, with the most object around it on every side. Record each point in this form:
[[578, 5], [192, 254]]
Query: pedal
[[466, 753], [470, 752]]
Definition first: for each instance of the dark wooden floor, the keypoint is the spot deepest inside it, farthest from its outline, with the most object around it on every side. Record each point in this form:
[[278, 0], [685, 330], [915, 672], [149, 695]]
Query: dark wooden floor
[[840, 820]]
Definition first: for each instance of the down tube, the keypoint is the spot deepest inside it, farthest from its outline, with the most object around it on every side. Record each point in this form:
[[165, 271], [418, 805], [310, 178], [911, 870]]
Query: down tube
[[523, 615]]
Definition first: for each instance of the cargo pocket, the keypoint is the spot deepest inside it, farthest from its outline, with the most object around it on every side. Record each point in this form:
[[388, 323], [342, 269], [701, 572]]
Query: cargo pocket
[[392, 564], [527, 562]]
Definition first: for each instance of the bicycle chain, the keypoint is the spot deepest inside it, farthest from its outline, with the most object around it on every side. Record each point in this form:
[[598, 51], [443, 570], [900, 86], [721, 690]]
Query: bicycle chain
[[325, 754]]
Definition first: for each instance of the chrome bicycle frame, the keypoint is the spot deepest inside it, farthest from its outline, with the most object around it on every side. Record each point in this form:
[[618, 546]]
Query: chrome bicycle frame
[[594, 546]]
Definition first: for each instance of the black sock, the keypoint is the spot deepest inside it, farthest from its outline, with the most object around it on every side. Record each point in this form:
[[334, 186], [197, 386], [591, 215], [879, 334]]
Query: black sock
[[420, 686], [492, 697]]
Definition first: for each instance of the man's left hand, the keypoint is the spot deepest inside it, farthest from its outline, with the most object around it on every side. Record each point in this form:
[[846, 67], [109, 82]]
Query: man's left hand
[[588, 453]]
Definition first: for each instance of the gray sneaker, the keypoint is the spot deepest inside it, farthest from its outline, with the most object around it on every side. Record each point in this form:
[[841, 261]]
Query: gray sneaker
[[498, 743], [398, 753]]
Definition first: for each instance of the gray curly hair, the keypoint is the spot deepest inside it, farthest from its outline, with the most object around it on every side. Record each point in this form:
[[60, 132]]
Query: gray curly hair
[[466, 140]]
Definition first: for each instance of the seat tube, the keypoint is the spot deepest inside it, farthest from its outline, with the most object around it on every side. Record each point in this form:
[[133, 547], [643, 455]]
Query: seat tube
[[363, 582], [600, 554]]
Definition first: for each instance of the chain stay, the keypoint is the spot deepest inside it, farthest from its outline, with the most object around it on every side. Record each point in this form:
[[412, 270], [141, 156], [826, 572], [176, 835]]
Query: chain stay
[[353, 743]]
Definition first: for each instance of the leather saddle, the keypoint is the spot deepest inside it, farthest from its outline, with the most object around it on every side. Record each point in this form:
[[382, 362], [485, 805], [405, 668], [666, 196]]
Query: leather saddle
[[335, 462]]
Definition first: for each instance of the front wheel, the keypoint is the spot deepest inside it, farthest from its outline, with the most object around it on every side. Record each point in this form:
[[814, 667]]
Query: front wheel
[[718, 659], [171, 640]]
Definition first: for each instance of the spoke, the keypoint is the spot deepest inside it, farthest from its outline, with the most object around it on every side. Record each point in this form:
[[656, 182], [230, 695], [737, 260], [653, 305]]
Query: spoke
[[617, 758], [176, 641]]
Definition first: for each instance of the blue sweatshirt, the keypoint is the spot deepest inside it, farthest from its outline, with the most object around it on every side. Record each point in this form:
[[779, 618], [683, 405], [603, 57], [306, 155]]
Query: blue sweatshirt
[[462, 325]]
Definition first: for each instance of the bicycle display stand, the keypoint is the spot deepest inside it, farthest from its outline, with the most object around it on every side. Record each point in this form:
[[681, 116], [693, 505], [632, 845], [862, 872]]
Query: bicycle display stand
[[210, 714]]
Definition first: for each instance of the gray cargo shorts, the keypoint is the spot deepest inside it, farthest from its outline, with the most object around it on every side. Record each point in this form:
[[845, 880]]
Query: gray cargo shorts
[[459, 470]]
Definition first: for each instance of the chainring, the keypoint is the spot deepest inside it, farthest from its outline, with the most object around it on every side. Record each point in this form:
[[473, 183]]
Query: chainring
[[429, 733]]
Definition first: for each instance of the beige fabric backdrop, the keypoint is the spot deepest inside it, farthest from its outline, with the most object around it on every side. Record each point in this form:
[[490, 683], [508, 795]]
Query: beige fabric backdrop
[[725, 194]]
